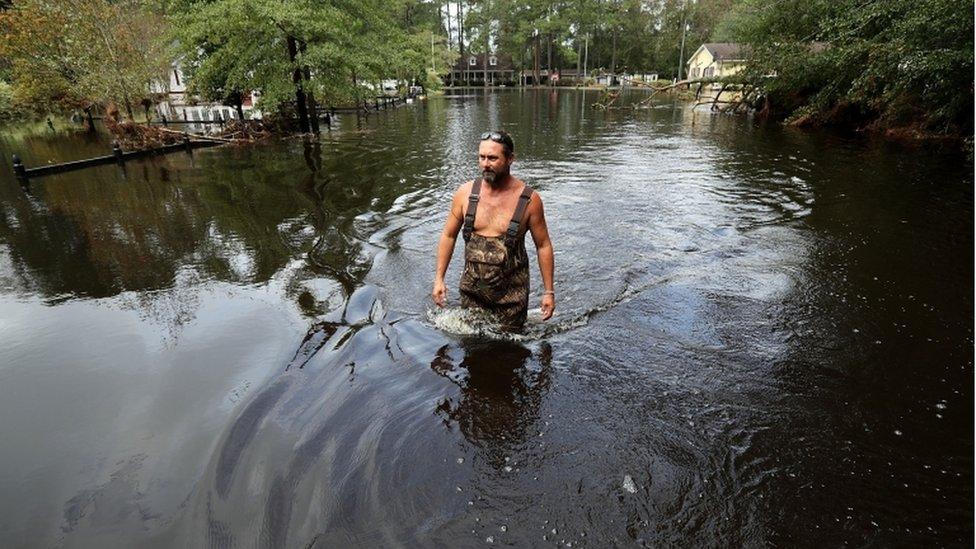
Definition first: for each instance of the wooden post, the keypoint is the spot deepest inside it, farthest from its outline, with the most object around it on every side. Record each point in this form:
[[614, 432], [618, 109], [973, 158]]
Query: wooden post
[[185, 118], [117, 151], [186, 143], [163, 118], [19, 170], [220, 119]]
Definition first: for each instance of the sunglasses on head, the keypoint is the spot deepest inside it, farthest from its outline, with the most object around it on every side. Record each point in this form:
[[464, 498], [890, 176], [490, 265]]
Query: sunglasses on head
[[495, 136]]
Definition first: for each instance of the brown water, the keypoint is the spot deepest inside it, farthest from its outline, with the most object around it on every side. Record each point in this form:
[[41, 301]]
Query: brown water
[[763, 337]]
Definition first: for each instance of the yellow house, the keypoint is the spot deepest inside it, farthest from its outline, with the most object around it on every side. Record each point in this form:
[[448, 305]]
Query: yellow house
[[715, 60]]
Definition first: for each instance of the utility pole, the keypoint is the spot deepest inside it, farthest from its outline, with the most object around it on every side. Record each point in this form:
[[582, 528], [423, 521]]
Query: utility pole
[[684, 27]]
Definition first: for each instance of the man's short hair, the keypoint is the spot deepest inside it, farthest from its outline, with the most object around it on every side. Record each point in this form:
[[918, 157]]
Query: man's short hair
[[502, 138]]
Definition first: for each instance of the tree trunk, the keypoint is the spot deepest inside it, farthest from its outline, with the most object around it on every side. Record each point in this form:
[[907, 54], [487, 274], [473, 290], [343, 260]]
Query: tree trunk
[[296, 78], [613, 53], [549, 56], [450, 30], [535, 62], [128, 107], [313, 111], [239, 106], [579, 56], [460, 22], [484, 63]]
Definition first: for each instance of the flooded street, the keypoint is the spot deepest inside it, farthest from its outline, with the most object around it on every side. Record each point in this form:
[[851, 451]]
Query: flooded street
[[762, 337]]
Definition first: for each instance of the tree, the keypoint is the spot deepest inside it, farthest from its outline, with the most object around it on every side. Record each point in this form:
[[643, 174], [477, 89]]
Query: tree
[[294, 50], [892, 63], [76, 52]]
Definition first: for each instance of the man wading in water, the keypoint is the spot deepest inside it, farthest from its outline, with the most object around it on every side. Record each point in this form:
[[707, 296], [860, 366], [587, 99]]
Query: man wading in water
[[494, 213]]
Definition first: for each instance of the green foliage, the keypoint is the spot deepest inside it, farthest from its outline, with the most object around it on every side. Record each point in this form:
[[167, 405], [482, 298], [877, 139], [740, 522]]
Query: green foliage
[[7, 107], [892, 62], [233, 46], [76, 52], [620, 35]]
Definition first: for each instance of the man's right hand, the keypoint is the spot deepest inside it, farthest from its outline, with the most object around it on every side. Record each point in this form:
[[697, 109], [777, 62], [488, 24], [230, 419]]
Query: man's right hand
[[439, 293]]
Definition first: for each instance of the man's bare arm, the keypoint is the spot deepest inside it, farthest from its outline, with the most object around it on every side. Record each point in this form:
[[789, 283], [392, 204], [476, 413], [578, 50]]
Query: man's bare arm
[[540, 235], [445, 246]]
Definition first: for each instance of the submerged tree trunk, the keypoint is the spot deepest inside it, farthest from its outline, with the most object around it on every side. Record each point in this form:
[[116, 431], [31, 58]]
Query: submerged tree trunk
[[296, 78], [313, 111]]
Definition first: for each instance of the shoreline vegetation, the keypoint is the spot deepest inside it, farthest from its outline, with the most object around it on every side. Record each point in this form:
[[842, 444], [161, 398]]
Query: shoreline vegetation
[[901, 69]]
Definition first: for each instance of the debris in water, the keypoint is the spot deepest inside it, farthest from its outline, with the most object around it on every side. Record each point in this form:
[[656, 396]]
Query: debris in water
[[490, 539], [460, 460], [629, 485], [504, 528]]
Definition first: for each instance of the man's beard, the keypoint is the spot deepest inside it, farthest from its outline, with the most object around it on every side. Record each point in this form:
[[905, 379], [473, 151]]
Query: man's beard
[[492, 177]]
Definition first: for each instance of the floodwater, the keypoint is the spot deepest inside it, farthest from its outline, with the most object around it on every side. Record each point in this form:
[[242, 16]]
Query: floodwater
[[763, 337]]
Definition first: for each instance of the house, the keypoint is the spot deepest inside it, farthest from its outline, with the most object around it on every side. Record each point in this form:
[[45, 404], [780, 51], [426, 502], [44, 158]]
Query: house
[[180, 105], [717, 60], [469, 70]]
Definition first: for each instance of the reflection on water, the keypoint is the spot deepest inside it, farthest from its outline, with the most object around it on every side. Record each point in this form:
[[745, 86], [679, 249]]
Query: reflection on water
[[762, 336], [502, 386]]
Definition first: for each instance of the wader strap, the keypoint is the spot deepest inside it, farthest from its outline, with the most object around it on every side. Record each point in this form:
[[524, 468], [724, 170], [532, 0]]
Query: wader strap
[[516, 222], [472, 210]]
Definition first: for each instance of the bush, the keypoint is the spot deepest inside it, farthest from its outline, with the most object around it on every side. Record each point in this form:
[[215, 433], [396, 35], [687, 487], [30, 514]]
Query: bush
[[8, 107]]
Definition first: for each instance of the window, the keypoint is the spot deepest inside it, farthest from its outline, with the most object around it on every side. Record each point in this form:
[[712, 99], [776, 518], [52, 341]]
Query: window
[[493, 60], [472, 61], [709, 72]]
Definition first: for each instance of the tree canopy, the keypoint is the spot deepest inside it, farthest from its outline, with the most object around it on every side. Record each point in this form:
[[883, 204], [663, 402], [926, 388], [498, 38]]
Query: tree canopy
[[891, 63]]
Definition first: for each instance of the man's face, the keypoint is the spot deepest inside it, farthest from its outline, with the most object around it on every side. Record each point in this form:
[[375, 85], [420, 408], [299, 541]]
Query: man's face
[[492, 161]]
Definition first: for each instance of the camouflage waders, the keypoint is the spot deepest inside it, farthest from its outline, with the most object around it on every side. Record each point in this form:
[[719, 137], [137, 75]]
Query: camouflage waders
[[496, 268]]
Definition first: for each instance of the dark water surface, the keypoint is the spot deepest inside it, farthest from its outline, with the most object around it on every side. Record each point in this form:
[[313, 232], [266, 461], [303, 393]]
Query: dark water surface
[[763, 337]]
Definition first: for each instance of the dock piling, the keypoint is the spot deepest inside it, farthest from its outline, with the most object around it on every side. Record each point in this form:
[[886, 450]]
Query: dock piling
[[117, 152], [19, 169]]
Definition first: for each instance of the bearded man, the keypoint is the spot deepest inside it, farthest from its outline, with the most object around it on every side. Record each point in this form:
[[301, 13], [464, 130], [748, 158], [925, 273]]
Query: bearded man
[[493, 214]]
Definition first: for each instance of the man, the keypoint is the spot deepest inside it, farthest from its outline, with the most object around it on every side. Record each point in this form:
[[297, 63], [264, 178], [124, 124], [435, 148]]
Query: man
[[494, 213]]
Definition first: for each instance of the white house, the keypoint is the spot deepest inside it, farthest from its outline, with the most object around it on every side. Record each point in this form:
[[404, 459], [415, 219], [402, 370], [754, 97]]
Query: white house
[[179, 105]]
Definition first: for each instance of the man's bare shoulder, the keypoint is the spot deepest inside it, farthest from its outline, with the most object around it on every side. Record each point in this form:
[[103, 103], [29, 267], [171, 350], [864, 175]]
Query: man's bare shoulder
[[464, 190], [535, 201]]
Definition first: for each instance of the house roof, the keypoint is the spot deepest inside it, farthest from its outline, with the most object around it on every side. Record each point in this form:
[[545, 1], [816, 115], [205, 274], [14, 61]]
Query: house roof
[[727, 51], [504, 62], [730, 51]]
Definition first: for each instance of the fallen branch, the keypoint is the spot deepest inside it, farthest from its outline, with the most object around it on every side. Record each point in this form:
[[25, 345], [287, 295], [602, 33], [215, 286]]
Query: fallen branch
[[198, 136]]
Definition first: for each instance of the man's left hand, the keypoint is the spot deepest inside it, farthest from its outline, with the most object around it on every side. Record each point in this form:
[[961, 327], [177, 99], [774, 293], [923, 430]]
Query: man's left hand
[[548, 306]]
